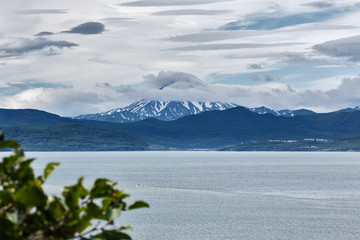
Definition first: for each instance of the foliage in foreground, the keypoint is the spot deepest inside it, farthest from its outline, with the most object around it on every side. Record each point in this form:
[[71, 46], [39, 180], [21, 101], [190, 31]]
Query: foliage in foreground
[[27, 212]]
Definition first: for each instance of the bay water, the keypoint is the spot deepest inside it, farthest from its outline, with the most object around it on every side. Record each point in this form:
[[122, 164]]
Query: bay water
[[225, 195]]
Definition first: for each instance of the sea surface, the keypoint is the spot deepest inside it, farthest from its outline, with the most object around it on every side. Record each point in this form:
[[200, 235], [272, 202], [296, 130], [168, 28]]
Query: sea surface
[[225, 195]]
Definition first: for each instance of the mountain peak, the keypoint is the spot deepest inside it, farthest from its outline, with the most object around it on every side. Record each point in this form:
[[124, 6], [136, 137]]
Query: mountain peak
[[162, 110]]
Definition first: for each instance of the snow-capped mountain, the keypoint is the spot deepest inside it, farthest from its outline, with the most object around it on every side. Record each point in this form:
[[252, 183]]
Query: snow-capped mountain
[[283, 113], [357, 108], [162, 110]]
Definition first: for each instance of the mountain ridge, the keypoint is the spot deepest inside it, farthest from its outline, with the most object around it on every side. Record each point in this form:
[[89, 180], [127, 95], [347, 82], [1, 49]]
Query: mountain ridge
[[162, 110], [206, 130], [173, 110]]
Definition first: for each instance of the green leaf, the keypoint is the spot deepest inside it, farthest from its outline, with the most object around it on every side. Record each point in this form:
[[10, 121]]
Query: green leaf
[[106, 203], [7, 165], [9, 144], [93, 210], [9, 230], [5, 198], [49, 168], [25, 173], [55, 207], [138, 204], [31, 195], [125, 227], [112, 235], [18, 152], [74, 193], [101, 189], [13, 216], [114, 211]]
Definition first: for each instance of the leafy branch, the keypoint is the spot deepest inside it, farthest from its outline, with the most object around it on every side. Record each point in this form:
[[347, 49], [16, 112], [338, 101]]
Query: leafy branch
[[27, 212]]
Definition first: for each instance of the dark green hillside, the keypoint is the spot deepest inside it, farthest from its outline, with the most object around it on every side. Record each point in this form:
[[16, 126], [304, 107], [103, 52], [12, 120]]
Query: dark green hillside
[[14, 117], [218, 128], [73, 137], [349, 144], [207, 130]]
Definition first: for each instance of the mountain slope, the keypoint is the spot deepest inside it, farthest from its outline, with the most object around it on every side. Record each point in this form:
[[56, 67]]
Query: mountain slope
[[73, 137], [13, 117], [349, 109], [162, 110], [210, 129], [172, 110], [283, 113], [218, 128], [41, 131]]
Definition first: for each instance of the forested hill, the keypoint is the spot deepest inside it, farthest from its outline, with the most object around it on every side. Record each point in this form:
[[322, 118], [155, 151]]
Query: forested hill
[[207, 130]]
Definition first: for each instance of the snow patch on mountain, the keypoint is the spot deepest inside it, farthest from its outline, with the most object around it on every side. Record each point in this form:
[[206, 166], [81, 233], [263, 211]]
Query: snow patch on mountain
[[282, 113], [162, 110]]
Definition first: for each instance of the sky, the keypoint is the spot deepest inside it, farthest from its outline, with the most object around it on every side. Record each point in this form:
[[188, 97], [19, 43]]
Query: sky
[[73, 57]]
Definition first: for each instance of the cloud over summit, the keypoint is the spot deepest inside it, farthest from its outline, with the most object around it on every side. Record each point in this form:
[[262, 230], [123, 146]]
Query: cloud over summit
[[175, 80]]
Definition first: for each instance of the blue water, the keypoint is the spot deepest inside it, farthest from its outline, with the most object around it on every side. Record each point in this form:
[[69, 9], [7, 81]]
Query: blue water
[[225, 195]]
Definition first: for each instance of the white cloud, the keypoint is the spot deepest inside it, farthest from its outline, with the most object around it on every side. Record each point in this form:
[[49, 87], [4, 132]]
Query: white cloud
[[42, 11], [319, 4], [229, 46], [344, 47], [181, 12], [138, 32], [64, 101], [152, 3], [20, 46], [183, 86]]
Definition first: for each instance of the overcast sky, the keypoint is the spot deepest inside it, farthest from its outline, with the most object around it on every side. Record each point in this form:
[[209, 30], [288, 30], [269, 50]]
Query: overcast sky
[[72, 57]]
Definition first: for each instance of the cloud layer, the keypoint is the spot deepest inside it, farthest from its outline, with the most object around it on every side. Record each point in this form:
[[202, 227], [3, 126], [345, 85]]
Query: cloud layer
[[183, 86], [88, 28], [20, 46], [41, 11], [344, 47], [56, 55], [275, 22], [156, 3]]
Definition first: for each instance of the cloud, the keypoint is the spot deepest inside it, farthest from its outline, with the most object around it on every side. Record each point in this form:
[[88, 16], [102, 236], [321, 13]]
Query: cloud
[[218, 35], [40, 34], [176, 80], [184, 86], [20, 46], [290, 58], [42, 11], [254, 66], [269, 78], [229, 46], [320, 4], [344, 47], [158, 3], [120, 19], [87, 28], [190, 12], [208, 36], [270, 22], [103, 85], [306, 59], [11, 88], [265, 78], [63, 101]]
